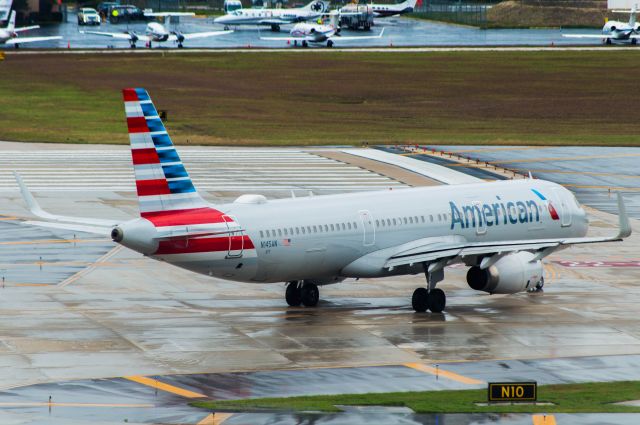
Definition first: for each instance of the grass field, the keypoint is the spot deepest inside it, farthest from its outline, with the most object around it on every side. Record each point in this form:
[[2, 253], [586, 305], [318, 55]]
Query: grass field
[[295, 98], [571, 398]]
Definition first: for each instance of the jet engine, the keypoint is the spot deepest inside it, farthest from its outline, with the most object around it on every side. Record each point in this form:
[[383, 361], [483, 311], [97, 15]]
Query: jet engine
[[508, 275]]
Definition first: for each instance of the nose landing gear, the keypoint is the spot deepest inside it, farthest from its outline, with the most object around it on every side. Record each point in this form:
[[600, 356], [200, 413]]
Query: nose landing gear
[[433, 298]]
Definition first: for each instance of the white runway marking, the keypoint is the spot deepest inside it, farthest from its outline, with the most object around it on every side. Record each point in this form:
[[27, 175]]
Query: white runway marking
[[213, 169]]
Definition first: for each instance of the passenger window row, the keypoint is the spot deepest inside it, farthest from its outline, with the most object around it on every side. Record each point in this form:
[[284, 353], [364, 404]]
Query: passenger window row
[[303, 230]]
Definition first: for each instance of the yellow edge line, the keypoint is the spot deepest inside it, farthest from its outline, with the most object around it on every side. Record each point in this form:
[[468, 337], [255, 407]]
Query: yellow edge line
[[215, 418], [543, 420], [44, 403], [444, 373], [153, 383]]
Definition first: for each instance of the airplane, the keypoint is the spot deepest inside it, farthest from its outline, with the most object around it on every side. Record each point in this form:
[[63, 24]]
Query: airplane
[[616, 30], [155, 32], [501, 230], [387, 10], [9, 34], [319, 33], [273, 17]]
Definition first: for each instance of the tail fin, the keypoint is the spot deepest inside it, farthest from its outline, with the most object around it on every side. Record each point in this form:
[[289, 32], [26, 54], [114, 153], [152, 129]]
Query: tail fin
[[162, 182], [11, 25], [319, 6], [5, 7], [632, 17]]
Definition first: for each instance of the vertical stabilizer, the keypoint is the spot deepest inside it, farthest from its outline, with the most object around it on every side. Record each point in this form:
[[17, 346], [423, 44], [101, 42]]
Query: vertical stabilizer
[[11, 25], [632, 17], [5, 7], [162, 182]]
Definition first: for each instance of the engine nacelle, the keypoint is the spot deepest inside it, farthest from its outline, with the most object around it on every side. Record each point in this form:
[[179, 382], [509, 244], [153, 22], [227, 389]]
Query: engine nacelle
[[510, 274], [137, 234]]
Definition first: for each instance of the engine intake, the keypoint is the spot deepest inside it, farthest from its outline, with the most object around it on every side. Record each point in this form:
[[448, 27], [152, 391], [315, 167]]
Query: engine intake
[[510, 274]]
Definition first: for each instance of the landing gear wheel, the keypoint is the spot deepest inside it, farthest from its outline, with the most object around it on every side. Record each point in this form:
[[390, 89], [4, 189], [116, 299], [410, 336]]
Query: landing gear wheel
[[540, 285], [634, 41], [305, 44], [608, 41], [275, 28], [329, 44], [180, 46], [133, 46], [293, 294], [226, 27], [420, 300], [437, 300], [310, 295]]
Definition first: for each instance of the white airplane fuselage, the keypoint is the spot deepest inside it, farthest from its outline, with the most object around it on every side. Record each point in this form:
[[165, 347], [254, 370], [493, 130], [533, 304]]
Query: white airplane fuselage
[[6, 35], [619, 31], [268, 17], [315, 33], [326, 239], [156, 32]]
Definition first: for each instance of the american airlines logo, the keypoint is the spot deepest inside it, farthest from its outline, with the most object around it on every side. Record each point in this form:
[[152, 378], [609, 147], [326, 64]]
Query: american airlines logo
[[498, 213]]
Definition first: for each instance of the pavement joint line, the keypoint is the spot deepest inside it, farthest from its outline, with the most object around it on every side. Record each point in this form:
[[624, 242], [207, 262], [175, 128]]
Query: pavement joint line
[[543, 420], [44, 403], [52, 241], [215, 418], [154, 383], [444, 373], [89, 269]]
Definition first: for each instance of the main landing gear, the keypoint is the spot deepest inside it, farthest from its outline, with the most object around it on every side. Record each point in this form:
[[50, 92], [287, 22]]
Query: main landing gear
[[305, 293], [430, 298]]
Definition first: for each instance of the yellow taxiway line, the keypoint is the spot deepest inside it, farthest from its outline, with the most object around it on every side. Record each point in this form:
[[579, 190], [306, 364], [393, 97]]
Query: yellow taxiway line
[[444, 373], [543, 420], [215, 418], [154, 383]]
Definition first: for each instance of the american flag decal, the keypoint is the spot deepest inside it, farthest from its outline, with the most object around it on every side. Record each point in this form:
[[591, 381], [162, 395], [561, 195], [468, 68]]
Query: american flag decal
[[286, 242]]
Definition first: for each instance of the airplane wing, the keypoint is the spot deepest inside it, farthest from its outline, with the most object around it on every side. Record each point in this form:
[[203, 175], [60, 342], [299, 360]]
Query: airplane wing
[[81, 224], [194, 35], [584, 35], [166, 14], [22, 40], [439, 251], [285, 38], [363, 37], [274, 21], [21, 29], [118, 35]]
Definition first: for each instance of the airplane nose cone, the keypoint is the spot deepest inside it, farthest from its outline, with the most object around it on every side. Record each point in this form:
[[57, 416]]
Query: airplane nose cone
[[221, 20]]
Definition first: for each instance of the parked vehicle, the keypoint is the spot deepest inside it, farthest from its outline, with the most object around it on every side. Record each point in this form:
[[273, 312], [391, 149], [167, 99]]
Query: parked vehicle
[[88, 16], [356, 16]]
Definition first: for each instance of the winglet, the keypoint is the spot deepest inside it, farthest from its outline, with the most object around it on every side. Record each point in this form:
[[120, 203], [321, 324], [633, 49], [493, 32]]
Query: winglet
[[624, 225], [33, 205]]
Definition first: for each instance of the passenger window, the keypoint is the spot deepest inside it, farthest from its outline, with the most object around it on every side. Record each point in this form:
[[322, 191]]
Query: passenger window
[[394, 221], [303, 232], [349, 226], [388, 222], [377, 223], [315, 229], [410, 220], [431, 218], [405, 220], [285, 232], [326, 228], [344, 227], [355, 225], [332, 228], [268, 235], [261, 234], [309, 229], [279, 232], [297, 230]]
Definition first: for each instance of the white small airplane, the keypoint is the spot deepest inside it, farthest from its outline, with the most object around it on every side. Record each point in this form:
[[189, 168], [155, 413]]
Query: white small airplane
[[273, 17], [387, 10], [319, 33], [155, 32], [500, 230], [616, 30], [9, 34]]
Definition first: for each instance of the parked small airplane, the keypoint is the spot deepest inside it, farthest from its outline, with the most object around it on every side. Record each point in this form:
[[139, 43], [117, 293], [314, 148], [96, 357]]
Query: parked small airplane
[[155, 32], [616, 30], [386, 10], [500, 230], [319, 33], [273, 17], [9, 34]]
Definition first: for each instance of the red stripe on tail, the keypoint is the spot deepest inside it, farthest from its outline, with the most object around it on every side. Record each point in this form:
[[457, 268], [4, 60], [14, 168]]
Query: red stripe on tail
[[184, 217], [144, 156], [191, 246], [152, 187], [137, 125], [129, 95]]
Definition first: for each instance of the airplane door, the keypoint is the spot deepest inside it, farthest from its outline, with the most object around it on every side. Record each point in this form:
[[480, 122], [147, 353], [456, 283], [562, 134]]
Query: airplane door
[[369, 237], [236, 237], [563, 207]]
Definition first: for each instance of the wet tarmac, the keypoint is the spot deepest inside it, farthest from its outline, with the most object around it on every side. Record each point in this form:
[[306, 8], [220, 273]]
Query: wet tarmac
[[127, 316], [397, 32]]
